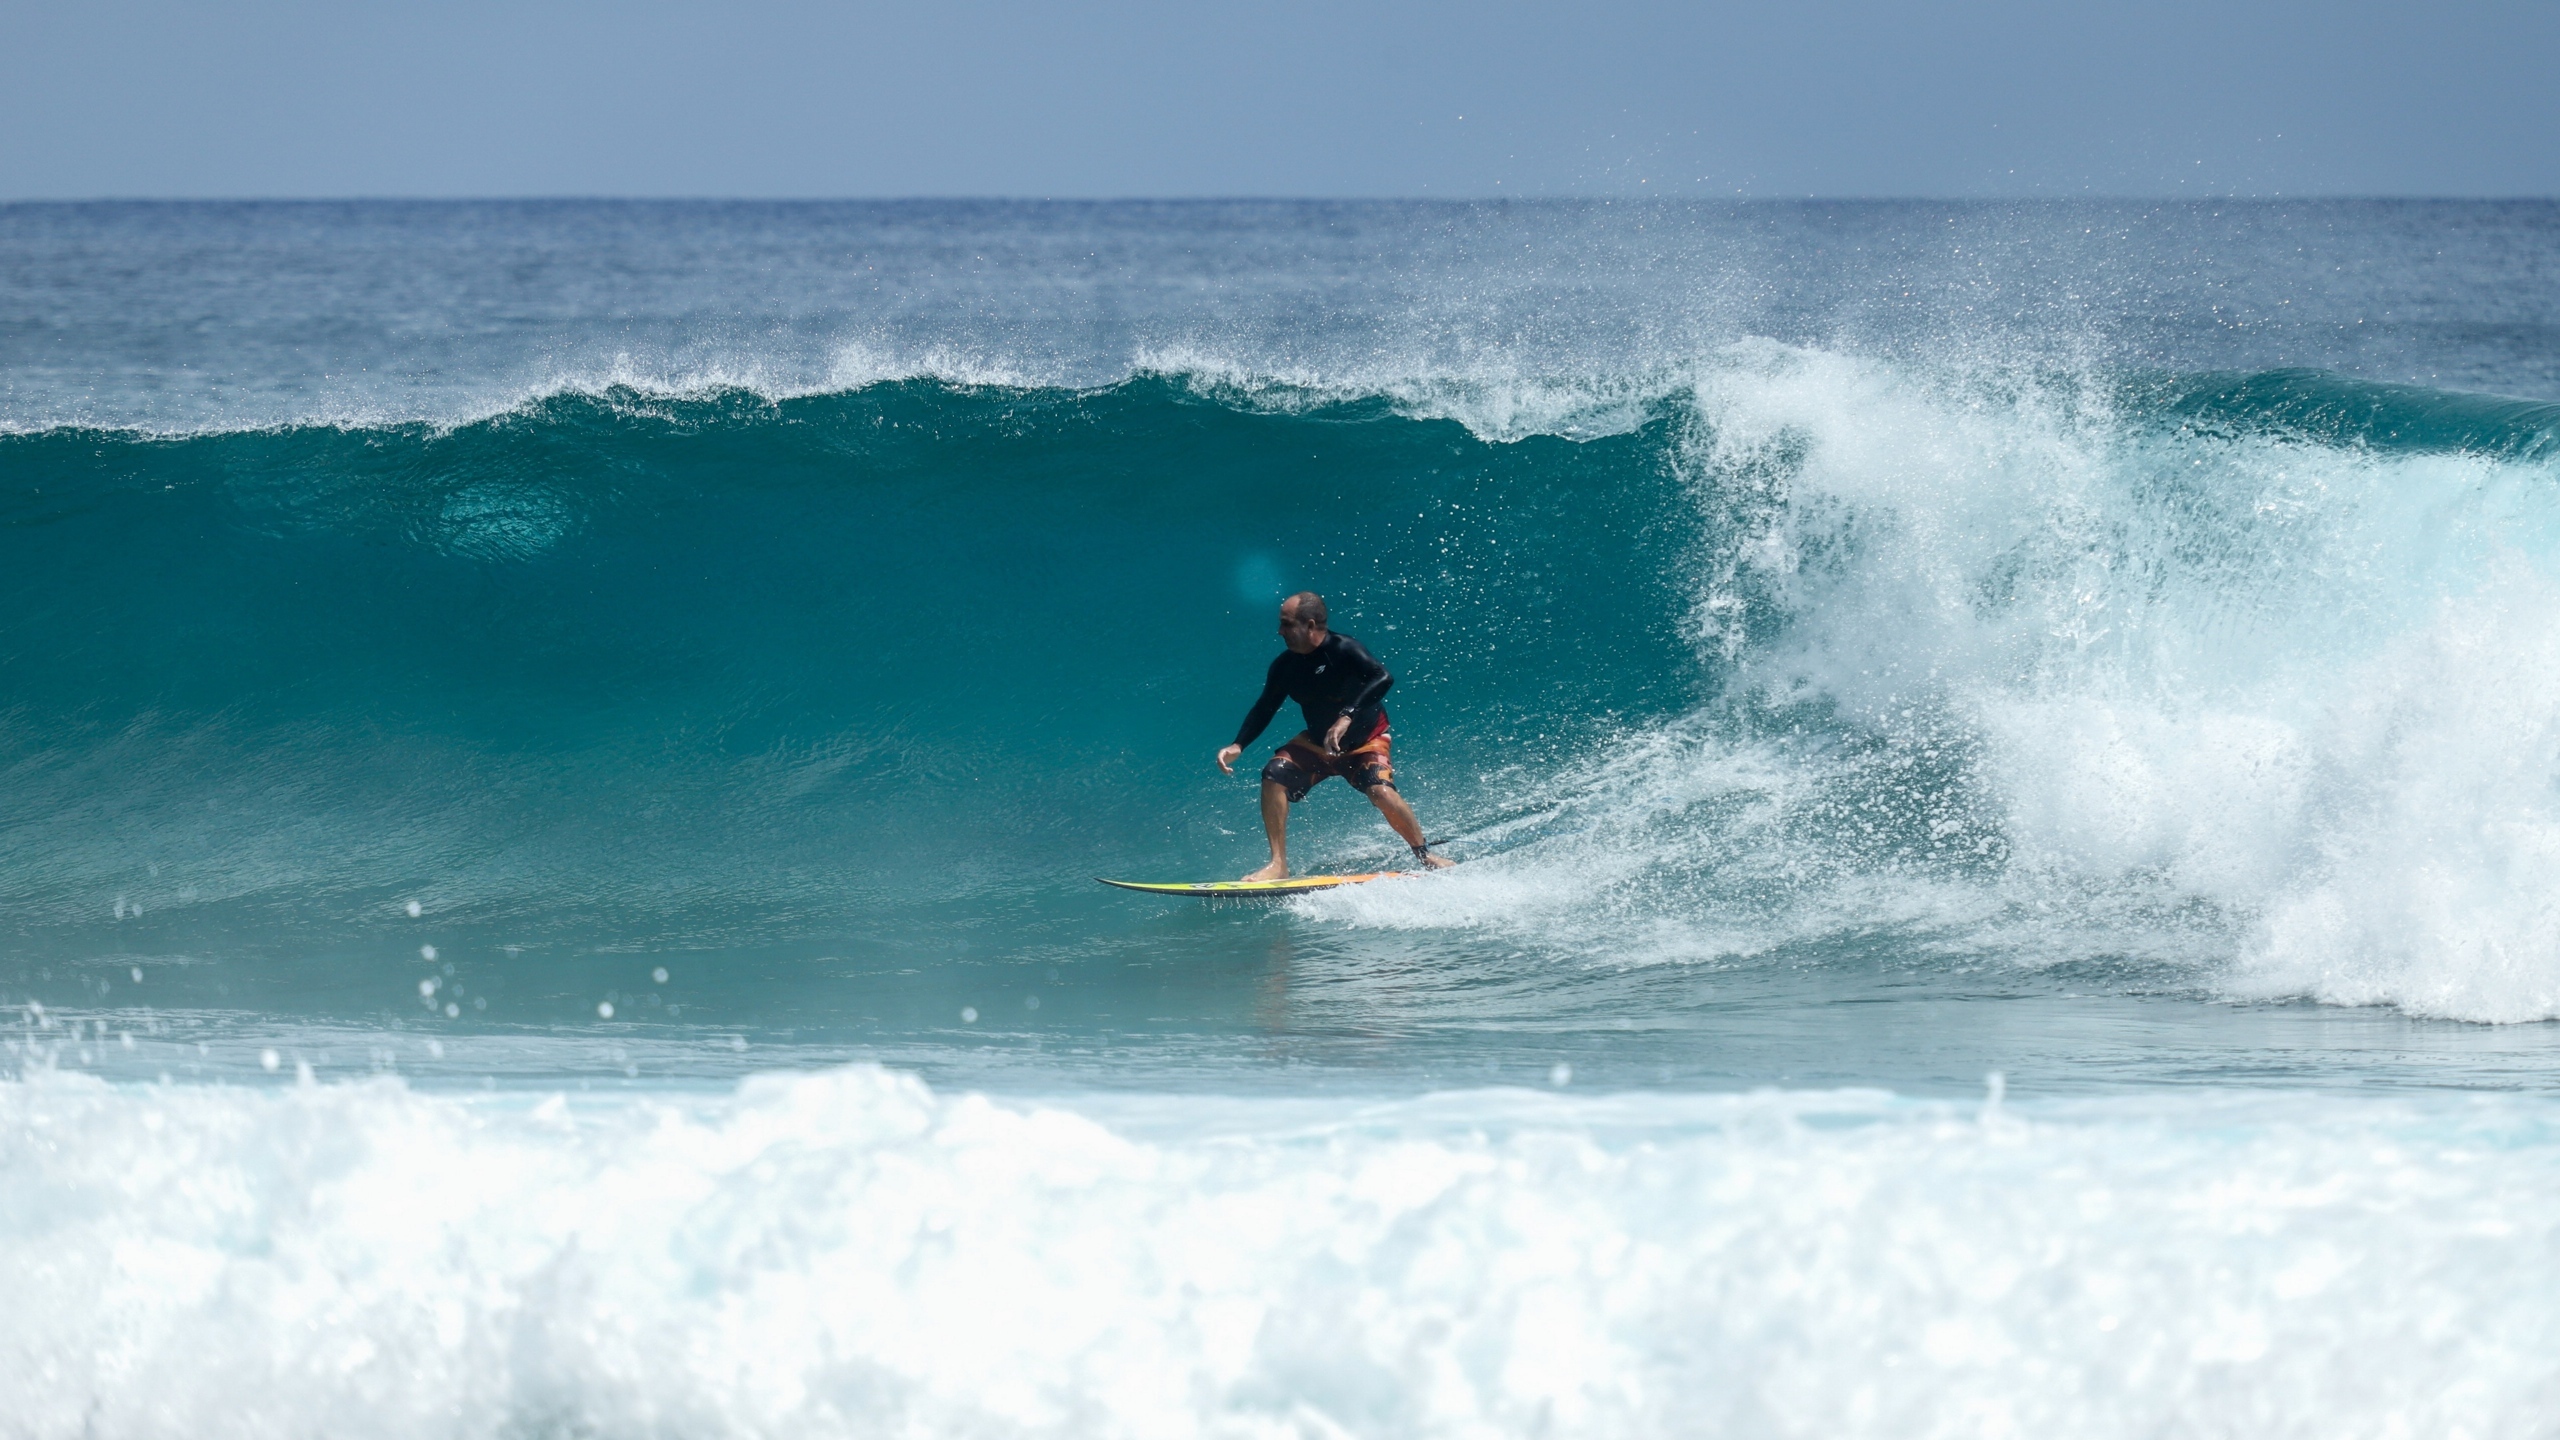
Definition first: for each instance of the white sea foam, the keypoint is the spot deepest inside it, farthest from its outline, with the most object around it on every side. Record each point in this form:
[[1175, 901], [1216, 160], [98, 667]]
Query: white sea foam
[[2057, 682], [847, 1253], [2263, 675], [2436, 885]]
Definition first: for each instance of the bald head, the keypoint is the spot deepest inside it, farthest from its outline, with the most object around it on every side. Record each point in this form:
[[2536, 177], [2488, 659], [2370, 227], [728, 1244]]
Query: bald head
[[1302, 626]]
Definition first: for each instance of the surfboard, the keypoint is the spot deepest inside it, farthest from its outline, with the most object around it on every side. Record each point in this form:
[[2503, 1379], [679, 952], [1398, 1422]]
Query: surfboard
[[1250, 889]]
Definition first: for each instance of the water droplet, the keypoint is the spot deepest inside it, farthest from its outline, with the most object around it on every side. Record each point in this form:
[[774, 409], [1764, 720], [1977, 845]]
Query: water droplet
[[269, 1060], [416, 909], [659, 974], [604, 1010], [426, 952], [452, 1011], [968, 1014], [137, 974], [1560, 1076]]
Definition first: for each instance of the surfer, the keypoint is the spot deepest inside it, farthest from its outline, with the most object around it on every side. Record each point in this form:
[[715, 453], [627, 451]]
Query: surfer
[[1337, 684]]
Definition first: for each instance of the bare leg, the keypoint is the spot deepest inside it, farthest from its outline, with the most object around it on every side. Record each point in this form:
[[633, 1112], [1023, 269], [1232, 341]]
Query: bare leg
[[1275, 825], [1400, 816]]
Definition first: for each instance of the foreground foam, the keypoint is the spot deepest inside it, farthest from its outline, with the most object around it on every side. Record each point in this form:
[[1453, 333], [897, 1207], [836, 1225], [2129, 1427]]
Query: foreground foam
[[849, 1253]]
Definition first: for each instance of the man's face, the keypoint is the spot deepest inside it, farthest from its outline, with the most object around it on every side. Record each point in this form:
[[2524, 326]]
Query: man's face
[[1301, 636]]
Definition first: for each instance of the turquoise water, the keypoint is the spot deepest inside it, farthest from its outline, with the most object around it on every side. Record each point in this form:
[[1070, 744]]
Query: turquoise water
[[2003, 762]]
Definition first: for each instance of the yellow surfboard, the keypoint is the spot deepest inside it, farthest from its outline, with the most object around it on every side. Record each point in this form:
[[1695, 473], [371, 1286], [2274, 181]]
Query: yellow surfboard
[[1251, 889]]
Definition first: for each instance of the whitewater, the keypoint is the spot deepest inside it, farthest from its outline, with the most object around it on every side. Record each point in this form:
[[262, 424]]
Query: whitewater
[[2003, 756]]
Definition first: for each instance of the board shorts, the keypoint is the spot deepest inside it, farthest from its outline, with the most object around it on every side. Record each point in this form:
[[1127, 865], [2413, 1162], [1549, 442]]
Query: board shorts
[[1301, 765]]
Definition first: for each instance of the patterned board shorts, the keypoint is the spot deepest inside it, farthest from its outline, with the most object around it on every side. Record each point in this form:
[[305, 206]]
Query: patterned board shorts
[[1301, 765]]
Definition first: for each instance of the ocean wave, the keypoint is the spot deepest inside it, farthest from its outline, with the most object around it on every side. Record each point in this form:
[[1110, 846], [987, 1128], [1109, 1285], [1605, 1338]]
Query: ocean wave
[[1703, 664]]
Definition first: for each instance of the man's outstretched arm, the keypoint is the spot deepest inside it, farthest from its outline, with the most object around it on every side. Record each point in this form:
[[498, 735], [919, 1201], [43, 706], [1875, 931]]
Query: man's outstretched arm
[[1257, 719]]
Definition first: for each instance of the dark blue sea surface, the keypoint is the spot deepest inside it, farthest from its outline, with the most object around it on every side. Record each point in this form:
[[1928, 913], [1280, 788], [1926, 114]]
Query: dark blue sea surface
[[2003, 759]]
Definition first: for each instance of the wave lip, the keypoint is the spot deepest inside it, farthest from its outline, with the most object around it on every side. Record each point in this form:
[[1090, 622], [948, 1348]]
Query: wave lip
[[2331, 409]]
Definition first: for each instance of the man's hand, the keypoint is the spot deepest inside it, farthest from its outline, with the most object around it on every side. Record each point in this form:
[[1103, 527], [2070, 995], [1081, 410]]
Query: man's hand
[[1227, 758], [1333, 736]]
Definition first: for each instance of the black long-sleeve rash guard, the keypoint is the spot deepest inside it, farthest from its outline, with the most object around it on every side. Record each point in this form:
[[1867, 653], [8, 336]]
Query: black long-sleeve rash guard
[[1337, 676]]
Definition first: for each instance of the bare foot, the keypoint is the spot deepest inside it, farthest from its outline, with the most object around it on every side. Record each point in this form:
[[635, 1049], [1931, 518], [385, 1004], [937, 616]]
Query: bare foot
[[1436, 861], [1276, 870]]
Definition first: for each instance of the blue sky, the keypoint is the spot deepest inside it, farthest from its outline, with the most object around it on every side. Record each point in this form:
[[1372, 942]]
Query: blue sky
[[779, 98]]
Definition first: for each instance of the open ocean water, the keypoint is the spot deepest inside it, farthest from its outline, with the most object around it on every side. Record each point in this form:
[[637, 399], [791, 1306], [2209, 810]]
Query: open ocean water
[[2007, 759]]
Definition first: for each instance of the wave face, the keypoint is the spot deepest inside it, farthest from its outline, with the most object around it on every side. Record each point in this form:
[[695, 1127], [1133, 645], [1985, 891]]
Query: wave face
[[2240, 681], [650, 671]]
